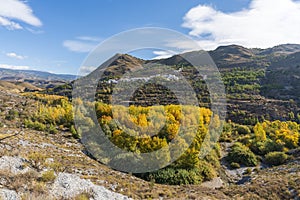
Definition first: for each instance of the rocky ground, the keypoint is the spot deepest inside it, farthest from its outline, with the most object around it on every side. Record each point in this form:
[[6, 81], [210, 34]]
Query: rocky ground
[[26, 156]]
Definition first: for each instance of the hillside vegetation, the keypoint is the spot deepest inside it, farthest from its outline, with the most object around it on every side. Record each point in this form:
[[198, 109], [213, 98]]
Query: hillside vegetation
[[45, 155], [260, 83]]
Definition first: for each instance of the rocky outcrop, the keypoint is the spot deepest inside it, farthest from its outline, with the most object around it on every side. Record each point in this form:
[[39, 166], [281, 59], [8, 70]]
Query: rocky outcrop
[[69, 185]]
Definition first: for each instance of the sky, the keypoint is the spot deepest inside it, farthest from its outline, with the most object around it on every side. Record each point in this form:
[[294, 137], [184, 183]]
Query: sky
[[57, 35]]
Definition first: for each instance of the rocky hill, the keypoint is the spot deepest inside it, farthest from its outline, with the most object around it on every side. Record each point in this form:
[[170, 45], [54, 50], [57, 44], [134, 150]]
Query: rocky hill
[[260, 83], [38, 78], [19, 75]]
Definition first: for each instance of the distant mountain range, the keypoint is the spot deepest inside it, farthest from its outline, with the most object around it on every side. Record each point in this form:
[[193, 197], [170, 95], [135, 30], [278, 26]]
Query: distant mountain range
[[22, 75], [260, 83]]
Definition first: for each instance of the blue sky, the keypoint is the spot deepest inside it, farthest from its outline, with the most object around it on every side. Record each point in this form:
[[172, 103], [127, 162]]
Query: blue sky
[[56, 35]]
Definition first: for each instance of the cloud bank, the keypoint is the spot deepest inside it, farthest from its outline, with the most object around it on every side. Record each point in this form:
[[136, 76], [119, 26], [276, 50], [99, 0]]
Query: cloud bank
[[265, 23], [11, 10], [17, 67]]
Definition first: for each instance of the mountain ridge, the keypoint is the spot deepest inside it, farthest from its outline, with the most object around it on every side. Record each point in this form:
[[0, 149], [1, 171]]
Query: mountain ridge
[[6, 74], [257, 87]]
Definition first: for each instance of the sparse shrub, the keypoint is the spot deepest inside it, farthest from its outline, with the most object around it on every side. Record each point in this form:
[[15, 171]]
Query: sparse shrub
[[291, 115], [226, 135], [235, 165], [83, 196], [206, 170], [242, 154], [245, 139], [17, 181], [56, 166], [37, 160], [12, 114], [35, 125], [276, 158], [39, 188], [52, 129], [39, 126], [262, 148], [48, 176], [242, 129], [75, 133], [248, 171]]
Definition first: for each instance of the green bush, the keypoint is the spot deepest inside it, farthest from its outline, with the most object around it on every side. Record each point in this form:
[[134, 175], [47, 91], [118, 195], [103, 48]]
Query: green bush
[[206, 170], [75, 134], [226, 135], [262, 148], [178, 176], [52, 129], [35, 125], [242, 129], [171, 176], [242, 154], [248, 171], [245, 139], [276, 158], [235, 165]]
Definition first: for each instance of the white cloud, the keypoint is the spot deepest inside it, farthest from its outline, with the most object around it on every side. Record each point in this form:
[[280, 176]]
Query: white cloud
[[84, 70], [78, 46], [16, 56], [11, 10], [183, 44], [82, 44], [89, 38], [5, 66], [10, 25], [163, 54], [35, 31], [265, 23]]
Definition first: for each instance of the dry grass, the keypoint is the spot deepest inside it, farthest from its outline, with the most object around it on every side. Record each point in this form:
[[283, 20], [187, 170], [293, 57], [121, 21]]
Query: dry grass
[[273, 183], [83, 196], [18, 181], [48, 176]]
